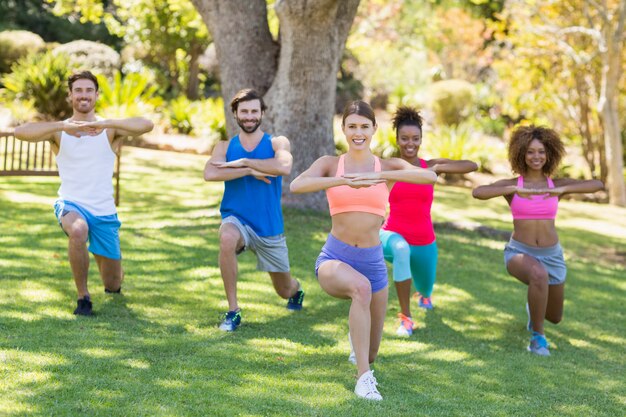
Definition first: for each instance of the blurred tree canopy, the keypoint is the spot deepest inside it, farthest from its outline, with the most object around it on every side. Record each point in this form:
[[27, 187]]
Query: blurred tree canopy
[[166, 34], [36, 16]]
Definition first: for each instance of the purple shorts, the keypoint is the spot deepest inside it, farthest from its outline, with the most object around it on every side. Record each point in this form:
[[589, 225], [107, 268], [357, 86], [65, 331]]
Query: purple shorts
[[368, 261]]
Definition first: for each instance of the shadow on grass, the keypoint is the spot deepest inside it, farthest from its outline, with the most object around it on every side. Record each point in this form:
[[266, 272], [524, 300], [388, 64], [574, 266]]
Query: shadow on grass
[[157, 350]]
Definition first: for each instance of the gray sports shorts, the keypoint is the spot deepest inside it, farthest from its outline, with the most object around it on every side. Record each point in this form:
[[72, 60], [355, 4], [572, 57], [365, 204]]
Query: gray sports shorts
[[271, 251], [551, 258]]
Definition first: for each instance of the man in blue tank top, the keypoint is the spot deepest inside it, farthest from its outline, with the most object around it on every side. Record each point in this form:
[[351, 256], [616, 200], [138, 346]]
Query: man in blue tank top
[[251, 165], [84, 147]]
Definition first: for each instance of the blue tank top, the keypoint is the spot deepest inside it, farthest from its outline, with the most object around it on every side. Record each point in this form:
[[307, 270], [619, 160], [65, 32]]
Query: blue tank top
[[255, 203]]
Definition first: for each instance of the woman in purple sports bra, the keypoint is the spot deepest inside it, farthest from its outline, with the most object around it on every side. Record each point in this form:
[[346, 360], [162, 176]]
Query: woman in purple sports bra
[[534, 255]]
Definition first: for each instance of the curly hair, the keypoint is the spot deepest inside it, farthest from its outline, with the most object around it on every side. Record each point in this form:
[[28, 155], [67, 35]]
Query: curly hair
[[520, 140], [406, 116]]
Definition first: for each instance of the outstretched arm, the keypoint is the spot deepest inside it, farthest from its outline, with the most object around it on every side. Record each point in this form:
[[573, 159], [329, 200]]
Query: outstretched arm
[[571, 186], [280, 164], [42, 131], [316, 177], [132, 126], [213, 172], [451, 166], [502, 188], [396, 169]]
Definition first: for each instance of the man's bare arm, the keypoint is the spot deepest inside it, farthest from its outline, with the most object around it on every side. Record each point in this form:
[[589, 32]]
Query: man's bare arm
[[280, 164]]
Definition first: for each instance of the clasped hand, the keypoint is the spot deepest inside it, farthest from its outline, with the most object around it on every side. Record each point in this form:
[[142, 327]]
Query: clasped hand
[[83, 128], [363, 179], [241, 163], [546, 192]]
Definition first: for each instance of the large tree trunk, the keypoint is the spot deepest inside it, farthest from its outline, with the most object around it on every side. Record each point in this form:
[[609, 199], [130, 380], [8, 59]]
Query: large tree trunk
[[246, 53], [193, 81], [608, 106], [298, 77]]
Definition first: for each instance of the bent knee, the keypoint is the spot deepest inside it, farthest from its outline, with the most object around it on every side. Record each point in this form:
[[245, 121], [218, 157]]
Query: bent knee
[[362, 292], [554, 319], [401, 248], [538, 276], [78, 232], [229, 240]]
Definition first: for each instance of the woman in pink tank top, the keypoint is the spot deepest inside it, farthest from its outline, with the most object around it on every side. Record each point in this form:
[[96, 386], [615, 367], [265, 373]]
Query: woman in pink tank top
[[408, 236], [534, 255], [351, 264]]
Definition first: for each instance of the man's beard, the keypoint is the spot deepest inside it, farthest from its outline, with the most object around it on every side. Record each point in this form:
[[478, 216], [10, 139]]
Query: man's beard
[[250, 129], [84, 110]]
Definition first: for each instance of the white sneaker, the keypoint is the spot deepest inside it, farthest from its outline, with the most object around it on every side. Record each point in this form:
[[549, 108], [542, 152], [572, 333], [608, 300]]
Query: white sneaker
[[366, 387], [352, 356]]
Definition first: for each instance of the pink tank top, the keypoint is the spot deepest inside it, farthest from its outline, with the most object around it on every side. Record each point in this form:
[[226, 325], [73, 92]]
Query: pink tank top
[[537, 207], [343, 198], [409, 214]]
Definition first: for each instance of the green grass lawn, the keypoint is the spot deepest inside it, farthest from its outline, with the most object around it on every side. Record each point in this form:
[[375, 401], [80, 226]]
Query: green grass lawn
[[157, 351]]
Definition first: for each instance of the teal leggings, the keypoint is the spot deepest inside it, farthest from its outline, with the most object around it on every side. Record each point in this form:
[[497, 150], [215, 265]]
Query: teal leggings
[[418, 262]]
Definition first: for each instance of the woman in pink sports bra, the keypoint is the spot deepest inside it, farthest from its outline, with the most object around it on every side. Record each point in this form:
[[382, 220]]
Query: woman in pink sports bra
[[351, 264], [534, 255]]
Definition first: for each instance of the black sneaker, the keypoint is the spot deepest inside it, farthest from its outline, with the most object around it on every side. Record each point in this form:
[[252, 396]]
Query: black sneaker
[[295, 302], [84, 307], [108, 291]]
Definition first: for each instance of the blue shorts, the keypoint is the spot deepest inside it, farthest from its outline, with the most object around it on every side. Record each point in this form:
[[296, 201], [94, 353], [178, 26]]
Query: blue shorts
[[551, 258], [367, 261], [104, 239]]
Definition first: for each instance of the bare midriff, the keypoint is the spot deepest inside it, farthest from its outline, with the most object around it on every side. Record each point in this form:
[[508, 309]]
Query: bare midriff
[[357, 228], [538, 233]]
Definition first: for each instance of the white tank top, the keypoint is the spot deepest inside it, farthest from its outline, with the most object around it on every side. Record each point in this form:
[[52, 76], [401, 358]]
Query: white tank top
[[86, 169]]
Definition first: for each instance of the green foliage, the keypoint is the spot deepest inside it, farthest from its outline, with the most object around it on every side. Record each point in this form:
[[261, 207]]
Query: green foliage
[[208, 120], [131, 96], [16, 44], [22, 111], [451, 101], [43, 79], [180, 110], [171, 33], [385, 144], [463, 142], [92, 56], [37, 16], [203, 118]]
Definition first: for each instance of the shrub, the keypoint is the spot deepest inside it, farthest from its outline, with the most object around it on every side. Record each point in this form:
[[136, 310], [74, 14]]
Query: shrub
[[41, 78], [92, 56], [180, 111], [462, 142], [131, 96], [385, 144], [451, 101], [16, 44], [208, 120]]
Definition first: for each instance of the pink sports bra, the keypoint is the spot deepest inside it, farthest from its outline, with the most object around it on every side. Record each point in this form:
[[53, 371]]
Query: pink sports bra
[[344, 198], [537, 207]]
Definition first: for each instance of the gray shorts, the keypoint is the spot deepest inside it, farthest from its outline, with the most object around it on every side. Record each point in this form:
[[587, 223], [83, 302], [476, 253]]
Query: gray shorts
[[551, 258], [271, 251]]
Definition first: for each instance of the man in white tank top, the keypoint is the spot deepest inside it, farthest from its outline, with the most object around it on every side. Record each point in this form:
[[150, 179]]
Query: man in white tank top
[[84, 146]]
